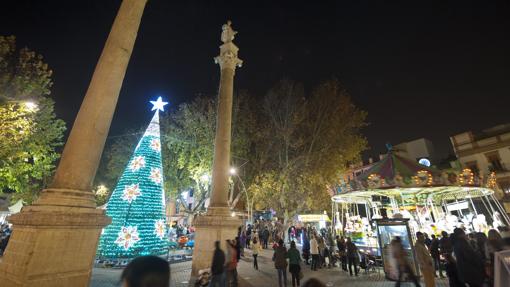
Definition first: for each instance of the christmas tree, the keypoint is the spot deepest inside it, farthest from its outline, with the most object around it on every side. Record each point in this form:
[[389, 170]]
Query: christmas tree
[[137, 205]]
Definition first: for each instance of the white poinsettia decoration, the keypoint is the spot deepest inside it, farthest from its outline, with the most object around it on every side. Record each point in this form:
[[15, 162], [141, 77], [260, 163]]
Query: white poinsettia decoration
[[127, 237], [156, 175], [160, 228], [155, 145], [137, 163], [131, 192]]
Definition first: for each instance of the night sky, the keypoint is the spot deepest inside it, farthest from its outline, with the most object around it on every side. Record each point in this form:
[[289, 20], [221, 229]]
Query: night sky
[[422, 69]]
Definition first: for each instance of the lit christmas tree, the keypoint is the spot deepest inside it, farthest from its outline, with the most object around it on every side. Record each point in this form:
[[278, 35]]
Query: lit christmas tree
[[137, 205]]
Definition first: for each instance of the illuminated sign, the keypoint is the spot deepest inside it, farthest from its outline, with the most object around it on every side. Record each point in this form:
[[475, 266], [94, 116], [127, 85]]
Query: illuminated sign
[[424, 161], [457, 206], [313, 217]]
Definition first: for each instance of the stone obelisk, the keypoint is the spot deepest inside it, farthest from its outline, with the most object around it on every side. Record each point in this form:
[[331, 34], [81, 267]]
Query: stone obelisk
[[218, 224], [54, 240]]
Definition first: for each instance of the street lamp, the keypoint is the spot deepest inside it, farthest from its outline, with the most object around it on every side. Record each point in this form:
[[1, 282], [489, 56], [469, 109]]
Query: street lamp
[[205, 177], [233, 171], [31, 106]]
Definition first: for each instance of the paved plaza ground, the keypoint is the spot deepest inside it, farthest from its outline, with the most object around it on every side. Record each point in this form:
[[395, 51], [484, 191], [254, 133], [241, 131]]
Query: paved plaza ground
[[265, 276]]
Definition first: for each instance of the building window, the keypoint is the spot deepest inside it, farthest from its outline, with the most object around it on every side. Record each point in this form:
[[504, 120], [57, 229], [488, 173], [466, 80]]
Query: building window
[[473, 166], [505, 187], [494, 161]]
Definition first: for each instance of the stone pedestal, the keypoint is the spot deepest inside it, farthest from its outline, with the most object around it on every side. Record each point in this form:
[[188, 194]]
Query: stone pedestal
[[53, 245], [217, 225]]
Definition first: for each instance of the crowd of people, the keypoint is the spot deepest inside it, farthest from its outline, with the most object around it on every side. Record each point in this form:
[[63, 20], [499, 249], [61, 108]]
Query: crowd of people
[[463, 259], [257, 237]]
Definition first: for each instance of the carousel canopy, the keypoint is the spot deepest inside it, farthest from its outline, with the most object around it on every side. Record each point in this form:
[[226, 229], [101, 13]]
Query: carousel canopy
[[395, 172], [393, 165]]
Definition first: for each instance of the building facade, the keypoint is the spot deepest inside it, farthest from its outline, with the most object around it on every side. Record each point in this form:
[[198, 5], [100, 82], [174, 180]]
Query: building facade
[[416, 150], [485, 152]]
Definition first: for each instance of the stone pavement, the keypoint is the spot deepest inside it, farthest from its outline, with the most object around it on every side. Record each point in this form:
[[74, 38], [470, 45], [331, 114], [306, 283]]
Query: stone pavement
[[108, 277], [266, 276], [180, 276]]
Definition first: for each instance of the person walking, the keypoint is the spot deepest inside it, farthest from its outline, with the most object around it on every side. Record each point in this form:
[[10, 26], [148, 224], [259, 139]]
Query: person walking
[[306, 248], [469, 263], [340, 245], [265, 237], [231, 265], [255, 247], [434, 252], [249, 236], [428, 241], [403, 266], [493, 244], [217, 267], [238, 247], [294, 263], [322, 247], [242, 243], [424, 260], [445, 244], [314, 251], [352, 256], [280, 262]]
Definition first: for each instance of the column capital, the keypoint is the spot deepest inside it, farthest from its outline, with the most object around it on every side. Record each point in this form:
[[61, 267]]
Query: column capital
[[228, 57]]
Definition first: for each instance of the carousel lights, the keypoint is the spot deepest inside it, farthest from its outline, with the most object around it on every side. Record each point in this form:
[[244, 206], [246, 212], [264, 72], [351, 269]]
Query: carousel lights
[[423, 177], [466, 177], [374, 180], [491, 182]]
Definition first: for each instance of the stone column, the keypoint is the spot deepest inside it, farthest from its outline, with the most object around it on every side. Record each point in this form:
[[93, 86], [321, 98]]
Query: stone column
[[54, 240], [221, 165], [218, 224]]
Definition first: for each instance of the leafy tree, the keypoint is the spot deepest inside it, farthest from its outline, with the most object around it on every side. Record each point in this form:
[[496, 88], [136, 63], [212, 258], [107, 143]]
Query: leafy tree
[[295, 145], [101, 194], [30, 133], [190, 138], [303, 145], [187, 135], [118, 150], [23, 74]]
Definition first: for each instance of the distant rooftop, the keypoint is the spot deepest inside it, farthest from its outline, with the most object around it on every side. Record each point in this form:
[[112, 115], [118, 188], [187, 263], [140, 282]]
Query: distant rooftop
[[493, 131]]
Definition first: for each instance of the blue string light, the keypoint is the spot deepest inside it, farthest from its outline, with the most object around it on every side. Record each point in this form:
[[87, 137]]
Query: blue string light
[[137, 205]]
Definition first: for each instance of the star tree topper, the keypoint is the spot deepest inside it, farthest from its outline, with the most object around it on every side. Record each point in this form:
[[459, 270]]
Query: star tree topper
[[158, 105]]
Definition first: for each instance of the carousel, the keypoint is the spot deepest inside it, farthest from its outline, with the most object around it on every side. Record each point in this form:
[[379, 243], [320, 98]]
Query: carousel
[[429, 200]]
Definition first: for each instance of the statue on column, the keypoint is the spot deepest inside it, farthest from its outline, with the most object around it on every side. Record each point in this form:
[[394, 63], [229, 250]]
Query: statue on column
[[228, 33]]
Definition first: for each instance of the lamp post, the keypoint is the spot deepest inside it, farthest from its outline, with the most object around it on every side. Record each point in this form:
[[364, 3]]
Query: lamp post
[[31, 106], [233, 172]]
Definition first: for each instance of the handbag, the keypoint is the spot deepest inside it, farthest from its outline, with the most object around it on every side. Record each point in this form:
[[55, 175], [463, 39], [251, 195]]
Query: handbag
[[301, 275]]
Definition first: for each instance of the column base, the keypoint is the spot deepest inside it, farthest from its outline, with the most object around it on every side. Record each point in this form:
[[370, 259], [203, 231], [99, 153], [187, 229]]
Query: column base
[[216, 225], [53, 245]]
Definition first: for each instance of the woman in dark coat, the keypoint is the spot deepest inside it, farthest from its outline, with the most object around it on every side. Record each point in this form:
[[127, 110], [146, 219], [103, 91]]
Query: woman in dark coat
[[306, 248], [352, 256], [469, 263]]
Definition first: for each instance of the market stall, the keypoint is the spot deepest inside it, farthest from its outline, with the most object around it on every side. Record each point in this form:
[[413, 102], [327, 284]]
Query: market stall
[[318, 221]]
